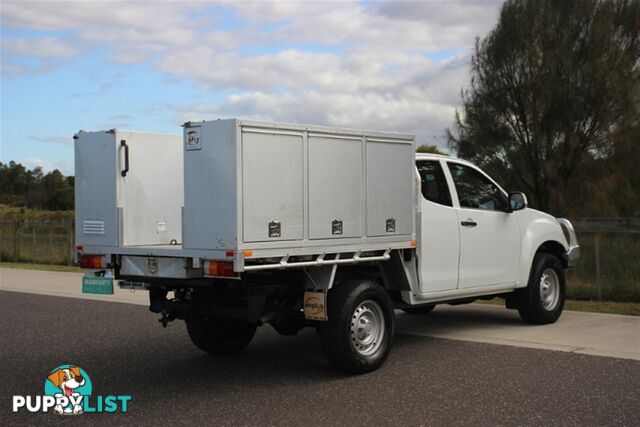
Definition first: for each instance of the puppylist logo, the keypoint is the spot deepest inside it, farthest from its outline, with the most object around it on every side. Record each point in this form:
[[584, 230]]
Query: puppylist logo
[[68, 391]]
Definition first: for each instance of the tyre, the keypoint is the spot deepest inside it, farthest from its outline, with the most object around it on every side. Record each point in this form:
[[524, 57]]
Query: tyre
[[358, 334], [545, 291], [220, 336], [419, 310]]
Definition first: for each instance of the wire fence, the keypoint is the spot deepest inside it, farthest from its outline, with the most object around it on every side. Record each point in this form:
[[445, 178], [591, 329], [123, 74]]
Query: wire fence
[[609, 268], [39, 241]]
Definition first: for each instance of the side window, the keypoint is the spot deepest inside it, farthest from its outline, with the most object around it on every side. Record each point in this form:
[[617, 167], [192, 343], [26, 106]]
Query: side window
[[475, 190], [434, 185]]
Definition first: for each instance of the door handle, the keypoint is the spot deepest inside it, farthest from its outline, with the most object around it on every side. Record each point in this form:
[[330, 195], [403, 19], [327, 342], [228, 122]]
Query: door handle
[[468, 223], [123, 143]]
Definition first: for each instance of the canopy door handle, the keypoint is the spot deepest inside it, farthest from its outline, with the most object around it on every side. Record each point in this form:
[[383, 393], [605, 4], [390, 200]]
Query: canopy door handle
[[124, 172]]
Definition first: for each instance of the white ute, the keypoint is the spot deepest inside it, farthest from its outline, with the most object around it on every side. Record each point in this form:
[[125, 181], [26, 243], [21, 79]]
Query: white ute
[[241, 223]]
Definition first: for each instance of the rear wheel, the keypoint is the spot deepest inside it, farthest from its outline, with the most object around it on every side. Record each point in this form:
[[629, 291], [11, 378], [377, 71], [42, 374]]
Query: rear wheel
[[545, 292], [220, 336], [357, 337], [419, 310]]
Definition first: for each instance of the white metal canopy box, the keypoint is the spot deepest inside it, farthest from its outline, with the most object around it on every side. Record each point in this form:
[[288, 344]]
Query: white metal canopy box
[[259, 185], [129, 188]]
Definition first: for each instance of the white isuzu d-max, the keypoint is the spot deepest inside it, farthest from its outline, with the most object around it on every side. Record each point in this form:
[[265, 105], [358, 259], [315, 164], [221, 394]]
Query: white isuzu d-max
[[242, 223]]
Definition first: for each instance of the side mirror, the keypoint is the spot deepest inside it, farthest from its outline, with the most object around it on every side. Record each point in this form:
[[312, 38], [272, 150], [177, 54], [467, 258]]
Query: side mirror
[[517, 201]]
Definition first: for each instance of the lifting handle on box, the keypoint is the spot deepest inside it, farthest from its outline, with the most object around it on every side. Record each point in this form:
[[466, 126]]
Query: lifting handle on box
[[123, 143]]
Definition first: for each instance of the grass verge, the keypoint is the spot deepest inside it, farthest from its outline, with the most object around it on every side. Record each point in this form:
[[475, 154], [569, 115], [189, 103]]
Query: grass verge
[[626, 308], [46, 267], [10, 212]]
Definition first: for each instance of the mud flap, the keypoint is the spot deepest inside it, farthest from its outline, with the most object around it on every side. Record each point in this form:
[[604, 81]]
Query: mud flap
[[315, 305], [518, 299]]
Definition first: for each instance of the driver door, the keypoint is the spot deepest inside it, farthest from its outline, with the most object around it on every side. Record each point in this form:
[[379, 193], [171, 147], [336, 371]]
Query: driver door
[[489, 235]]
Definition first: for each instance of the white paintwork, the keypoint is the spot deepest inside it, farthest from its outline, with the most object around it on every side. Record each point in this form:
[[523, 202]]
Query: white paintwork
[[489, 252], [536, 228], [494, 257], [439, 247]]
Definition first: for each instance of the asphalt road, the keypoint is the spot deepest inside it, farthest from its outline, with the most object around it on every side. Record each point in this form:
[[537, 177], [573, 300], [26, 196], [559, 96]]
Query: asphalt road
[[608, 335], [285, 380]]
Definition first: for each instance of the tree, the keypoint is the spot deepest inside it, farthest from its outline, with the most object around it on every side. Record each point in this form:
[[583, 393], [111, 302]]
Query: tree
[[33, 189], [433, 149], [60, 199], [554, 87], [35, 192]]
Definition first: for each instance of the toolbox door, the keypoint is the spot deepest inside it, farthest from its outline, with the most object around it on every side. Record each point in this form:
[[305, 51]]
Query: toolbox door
[[272, 185], [95, 189], [150, 188], [390, 184], [335, 186]]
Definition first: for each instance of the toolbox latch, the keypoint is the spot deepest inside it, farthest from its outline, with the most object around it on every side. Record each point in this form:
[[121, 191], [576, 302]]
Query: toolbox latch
[[391, 225], [336, 226], [275, 229]]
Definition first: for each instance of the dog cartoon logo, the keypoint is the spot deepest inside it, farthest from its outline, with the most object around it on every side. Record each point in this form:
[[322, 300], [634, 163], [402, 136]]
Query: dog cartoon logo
[[69, 384]]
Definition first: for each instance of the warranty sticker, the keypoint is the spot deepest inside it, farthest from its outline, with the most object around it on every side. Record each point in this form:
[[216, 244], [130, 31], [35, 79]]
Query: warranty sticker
[[315, 305]]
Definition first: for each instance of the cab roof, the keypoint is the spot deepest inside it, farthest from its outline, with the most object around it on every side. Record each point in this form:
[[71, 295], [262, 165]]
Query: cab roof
[[432, 156]]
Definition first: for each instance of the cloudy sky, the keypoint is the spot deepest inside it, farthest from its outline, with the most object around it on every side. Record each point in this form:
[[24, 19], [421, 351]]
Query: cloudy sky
[[152, 65]]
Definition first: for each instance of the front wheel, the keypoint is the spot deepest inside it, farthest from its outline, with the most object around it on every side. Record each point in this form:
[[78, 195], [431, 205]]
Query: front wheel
[[545, 291], [358, 334]]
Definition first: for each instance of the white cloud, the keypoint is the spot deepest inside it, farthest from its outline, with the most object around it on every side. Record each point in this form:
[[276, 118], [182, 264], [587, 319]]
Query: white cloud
[[355, 64], [42, 47], [411, 25], [410, 111], [142, 26], [65, 166], [33, 162]]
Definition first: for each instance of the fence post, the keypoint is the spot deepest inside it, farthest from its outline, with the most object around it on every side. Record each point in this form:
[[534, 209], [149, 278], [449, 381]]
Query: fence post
[[50, 246], [596, 242], [34, 246], [70, 240], [16, 242]]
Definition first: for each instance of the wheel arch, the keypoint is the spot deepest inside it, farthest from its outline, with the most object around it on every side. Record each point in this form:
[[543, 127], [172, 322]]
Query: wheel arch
[[391, 274], [552, 247]]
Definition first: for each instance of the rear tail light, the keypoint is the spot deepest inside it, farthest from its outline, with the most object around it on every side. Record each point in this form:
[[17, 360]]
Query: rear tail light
[[94, 262], [219, 269]]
